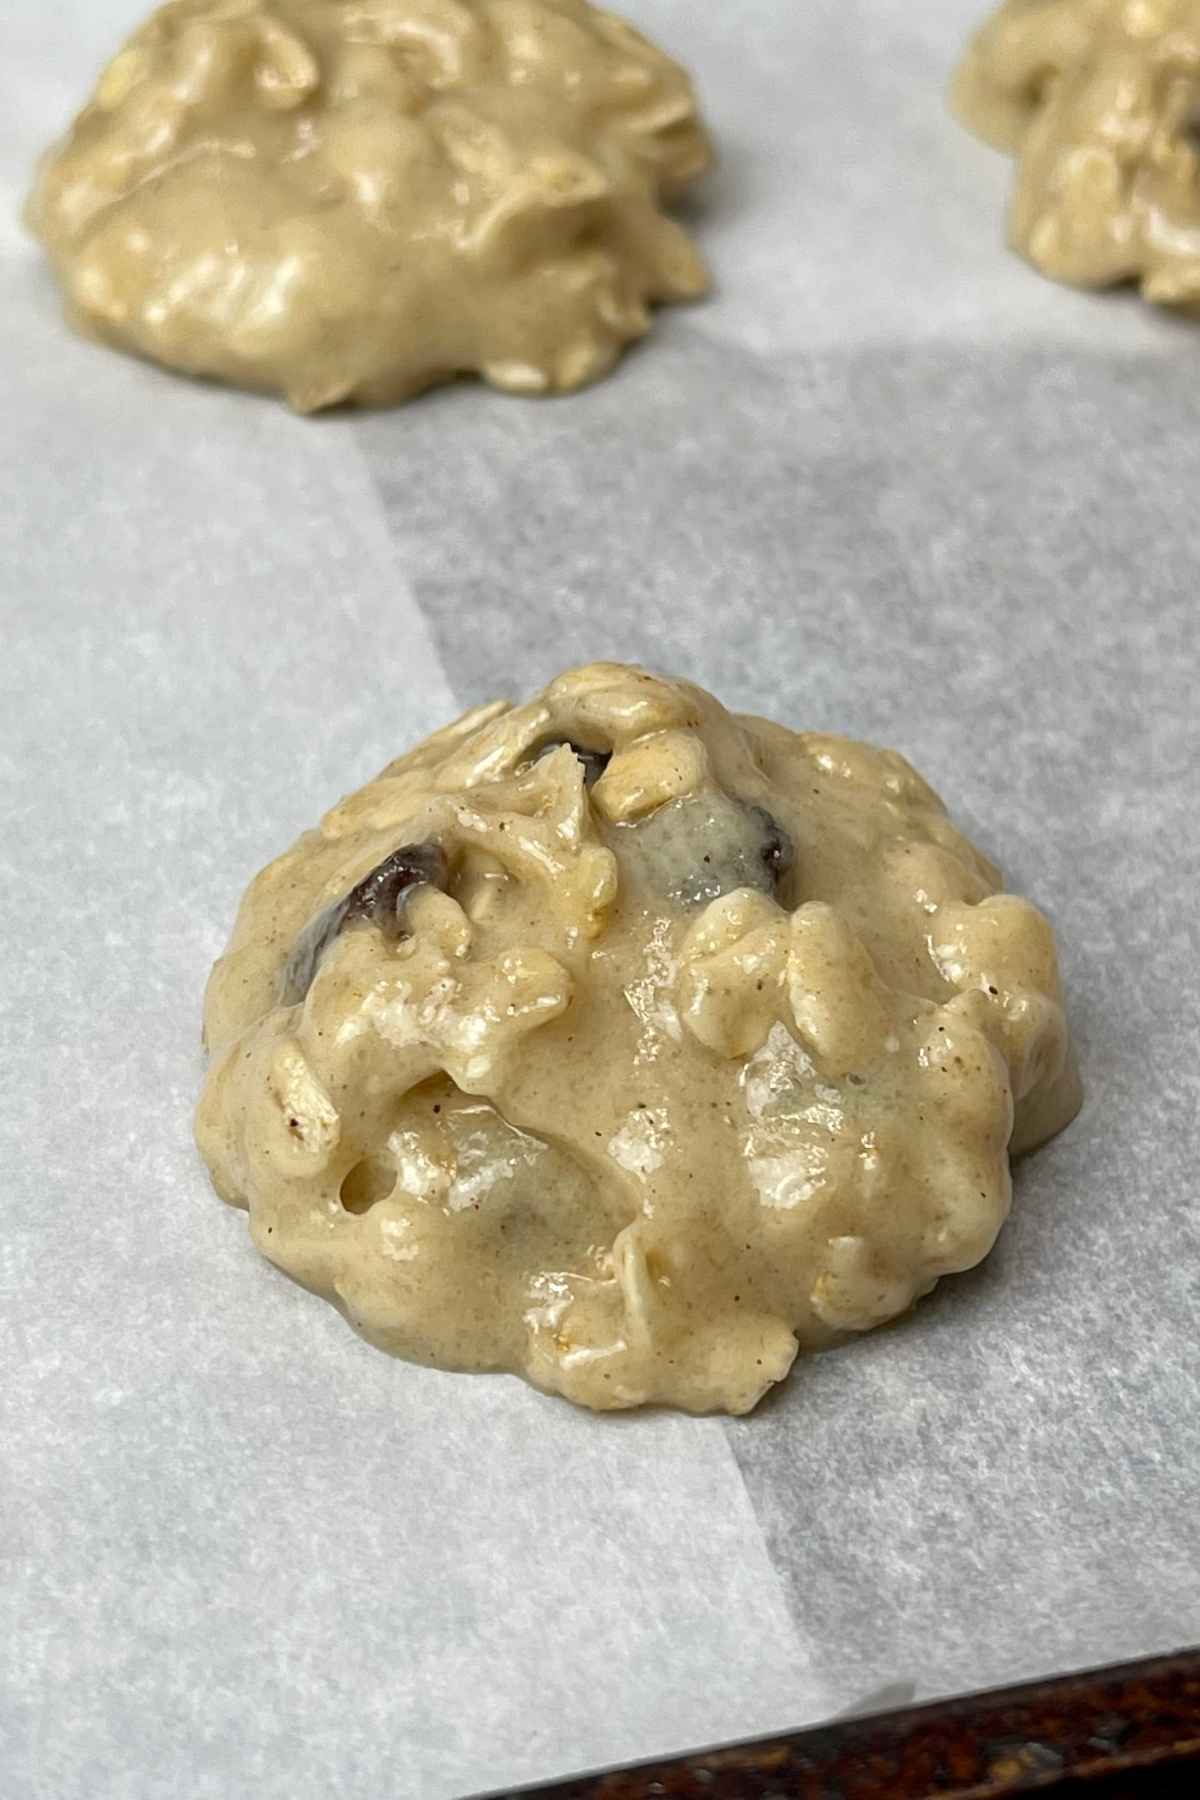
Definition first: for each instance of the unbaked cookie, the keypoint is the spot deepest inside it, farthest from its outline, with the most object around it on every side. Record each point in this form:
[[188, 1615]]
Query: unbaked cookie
[[350, 200], [630, 1045], [1100, 102]]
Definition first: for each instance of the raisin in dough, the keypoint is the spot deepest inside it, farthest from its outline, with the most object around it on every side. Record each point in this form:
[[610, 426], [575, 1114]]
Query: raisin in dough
[[1099, 100], [630, 1045], [349, 200]]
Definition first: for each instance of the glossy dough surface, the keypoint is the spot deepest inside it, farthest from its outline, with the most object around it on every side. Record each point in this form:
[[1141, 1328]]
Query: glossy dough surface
[[630, 1045], [1100, 102], [349, 200]]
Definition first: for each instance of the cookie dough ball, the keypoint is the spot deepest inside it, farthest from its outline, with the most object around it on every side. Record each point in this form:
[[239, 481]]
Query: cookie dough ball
[[630, 1045], [350, 200], [1100, 102]]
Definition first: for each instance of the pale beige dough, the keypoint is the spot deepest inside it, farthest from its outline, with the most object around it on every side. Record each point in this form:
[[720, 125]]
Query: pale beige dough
[[350, 200], [646, 1080], [1100, 102]]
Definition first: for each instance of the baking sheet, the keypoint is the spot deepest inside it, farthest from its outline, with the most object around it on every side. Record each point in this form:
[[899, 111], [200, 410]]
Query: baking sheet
[[889, 482]]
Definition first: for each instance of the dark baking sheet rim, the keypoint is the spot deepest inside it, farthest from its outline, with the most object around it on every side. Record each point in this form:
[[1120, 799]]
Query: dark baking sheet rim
[[1116, 1733]]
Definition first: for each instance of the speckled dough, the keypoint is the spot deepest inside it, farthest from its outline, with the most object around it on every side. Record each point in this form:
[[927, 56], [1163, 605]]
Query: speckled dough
[[1100, 101], [349, 200], [630, 1045]]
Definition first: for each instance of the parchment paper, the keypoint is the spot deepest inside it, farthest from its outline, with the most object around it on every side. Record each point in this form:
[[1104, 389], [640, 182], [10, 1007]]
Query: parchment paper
[[888, 481]]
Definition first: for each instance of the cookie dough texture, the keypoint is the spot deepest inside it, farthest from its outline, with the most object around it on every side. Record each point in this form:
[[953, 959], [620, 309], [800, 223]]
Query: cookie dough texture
[[350, 200], [1099, 100], [630, 1045]]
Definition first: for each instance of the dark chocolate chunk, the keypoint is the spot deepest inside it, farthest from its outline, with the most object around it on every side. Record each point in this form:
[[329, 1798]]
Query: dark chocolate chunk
[[705, 845], [378, 899], [777, 852], [594, 761]]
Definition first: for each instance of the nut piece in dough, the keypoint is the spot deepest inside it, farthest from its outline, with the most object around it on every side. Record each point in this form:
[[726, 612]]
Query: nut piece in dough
[[350, 200], [630, 1045], [1100, 102]]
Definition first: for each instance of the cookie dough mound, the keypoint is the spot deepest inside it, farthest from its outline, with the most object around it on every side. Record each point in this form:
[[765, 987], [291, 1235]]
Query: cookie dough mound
[[630, 1045], [350, 200], [1100, 102]]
